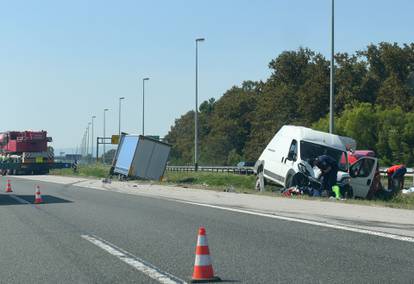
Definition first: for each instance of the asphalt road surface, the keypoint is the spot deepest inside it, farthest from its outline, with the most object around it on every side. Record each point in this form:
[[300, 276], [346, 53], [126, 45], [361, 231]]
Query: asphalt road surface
[[81, 235]]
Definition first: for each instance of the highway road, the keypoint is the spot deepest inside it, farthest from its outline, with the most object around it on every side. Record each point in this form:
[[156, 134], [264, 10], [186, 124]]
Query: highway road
[[81, 235]]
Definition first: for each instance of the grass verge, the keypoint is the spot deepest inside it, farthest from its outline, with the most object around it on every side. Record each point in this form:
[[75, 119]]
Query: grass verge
[[96, 170], [232, 183], [217, 181]]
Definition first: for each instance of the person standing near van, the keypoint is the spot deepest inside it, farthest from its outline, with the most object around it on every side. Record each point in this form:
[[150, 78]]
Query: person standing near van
[[396, 175], [329, 171]]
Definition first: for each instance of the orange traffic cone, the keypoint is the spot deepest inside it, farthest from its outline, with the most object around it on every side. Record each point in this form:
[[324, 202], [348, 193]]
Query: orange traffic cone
[[203, 269], [38, 195], [8, 188]]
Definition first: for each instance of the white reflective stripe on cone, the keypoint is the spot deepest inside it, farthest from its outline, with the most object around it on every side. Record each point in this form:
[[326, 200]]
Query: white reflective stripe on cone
[[202, 241], [202, 260]]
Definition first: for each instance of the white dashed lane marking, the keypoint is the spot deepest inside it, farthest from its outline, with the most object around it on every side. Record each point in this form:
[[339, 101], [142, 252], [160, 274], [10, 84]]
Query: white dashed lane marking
[[134, 261]]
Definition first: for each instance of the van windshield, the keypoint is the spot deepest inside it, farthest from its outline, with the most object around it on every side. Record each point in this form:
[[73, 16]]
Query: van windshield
[[309, 151]]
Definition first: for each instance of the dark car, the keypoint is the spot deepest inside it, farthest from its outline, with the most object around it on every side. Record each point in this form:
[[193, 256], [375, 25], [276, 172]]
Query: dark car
[[244, 164]]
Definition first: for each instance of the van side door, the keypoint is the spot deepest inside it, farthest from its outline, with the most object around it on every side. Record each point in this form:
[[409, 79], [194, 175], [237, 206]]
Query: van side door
[[288, 159], [362, 175]]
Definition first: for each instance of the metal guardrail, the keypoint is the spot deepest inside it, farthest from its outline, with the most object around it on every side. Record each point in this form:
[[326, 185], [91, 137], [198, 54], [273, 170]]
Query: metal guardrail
[[384, 169], [249, 170], [410, 173], [214, 169]]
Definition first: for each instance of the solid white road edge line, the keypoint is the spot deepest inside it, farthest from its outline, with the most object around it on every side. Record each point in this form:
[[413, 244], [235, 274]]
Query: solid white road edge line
[[134, 261], [315, 223]]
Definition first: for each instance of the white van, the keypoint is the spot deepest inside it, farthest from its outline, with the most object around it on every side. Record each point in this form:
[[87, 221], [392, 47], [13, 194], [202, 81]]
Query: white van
[[296, 145]]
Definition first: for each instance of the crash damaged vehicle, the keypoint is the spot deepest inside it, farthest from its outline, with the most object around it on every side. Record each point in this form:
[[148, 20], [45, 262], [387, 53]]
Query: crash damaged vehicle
[[377, 189], [286, 161]]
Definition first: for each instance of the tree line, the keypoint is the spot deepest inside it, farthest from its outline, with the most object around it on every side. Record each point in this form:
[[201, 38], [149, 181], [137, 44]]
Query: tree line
[[374, 100]]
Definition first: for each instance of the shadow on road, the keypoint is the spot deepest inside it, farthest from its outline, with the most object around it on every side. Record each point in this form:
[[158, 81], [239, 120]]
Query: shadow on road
[[6, 199]]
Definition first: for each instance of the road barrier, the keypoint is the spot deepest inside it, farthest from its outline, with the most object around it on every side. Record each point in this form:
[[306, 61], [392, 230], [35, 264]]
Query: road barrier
[[410, 173], [249, 170], [216, 169]]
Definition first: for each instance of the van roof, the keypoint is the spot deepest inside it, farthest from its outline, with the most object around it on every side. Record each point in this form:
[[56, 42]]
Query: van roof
[[319, 137]]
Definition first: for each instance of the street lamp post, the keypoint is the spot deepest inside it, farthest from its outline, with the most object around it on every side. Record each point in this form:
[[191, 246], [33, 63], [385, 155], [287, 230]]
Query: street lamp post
[[332, 90], [196, 108], [92, 134], [143, 105], [83, 144], [87, 140], [104, 134], [119, 126]]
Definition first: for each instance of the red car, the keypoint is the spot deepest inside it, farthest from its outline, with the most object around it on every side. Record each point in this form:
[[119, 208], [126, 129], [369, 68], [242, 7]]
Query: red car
[[356, 155]]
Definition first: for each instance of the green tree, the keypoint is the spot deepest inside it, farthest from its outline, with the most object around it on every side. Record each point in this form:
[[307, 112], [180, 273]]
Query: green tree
[[390, 68], [359, 122], [391, 124], [181, 137], [374, 95], [351, 85], [231, 125]]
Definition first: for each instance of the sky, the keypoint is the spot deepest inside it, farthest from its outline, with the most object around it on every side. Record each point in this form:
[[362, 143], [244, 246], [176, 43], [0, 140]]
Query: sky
[[61, 62]]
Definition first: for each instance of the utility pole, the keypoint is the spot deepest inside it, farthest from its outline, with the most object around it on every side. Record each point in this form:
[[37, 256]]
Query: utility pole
[[84, 143], [332, 77], [143, 105], [92, 134], [87, 140], [81, 147], [104, 135], [196, 108], [119, 121]]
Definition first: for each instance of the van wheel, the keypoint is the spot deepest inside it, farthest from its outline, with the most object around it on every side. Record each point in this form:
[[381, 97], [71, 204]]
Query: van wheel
[[351, 192], [347, 192], [288, 183]]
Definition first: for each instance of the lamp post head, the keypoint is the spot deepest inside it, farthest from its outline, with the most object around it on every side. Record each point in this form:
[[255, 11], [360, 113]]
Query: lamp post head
[[94, 116], [121, 98], [145, 79], [200, 39], [106, 109]]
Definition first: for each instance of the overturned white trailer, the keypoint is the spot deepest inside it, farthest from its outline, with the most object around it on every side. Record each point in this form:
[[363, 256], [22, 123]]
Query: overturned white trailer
[[141, 157]]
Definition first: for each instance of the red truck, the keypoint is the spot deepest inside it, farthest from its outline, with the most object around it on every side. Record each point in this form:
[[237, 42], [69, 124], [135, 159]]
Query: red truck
[[27, 152]]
